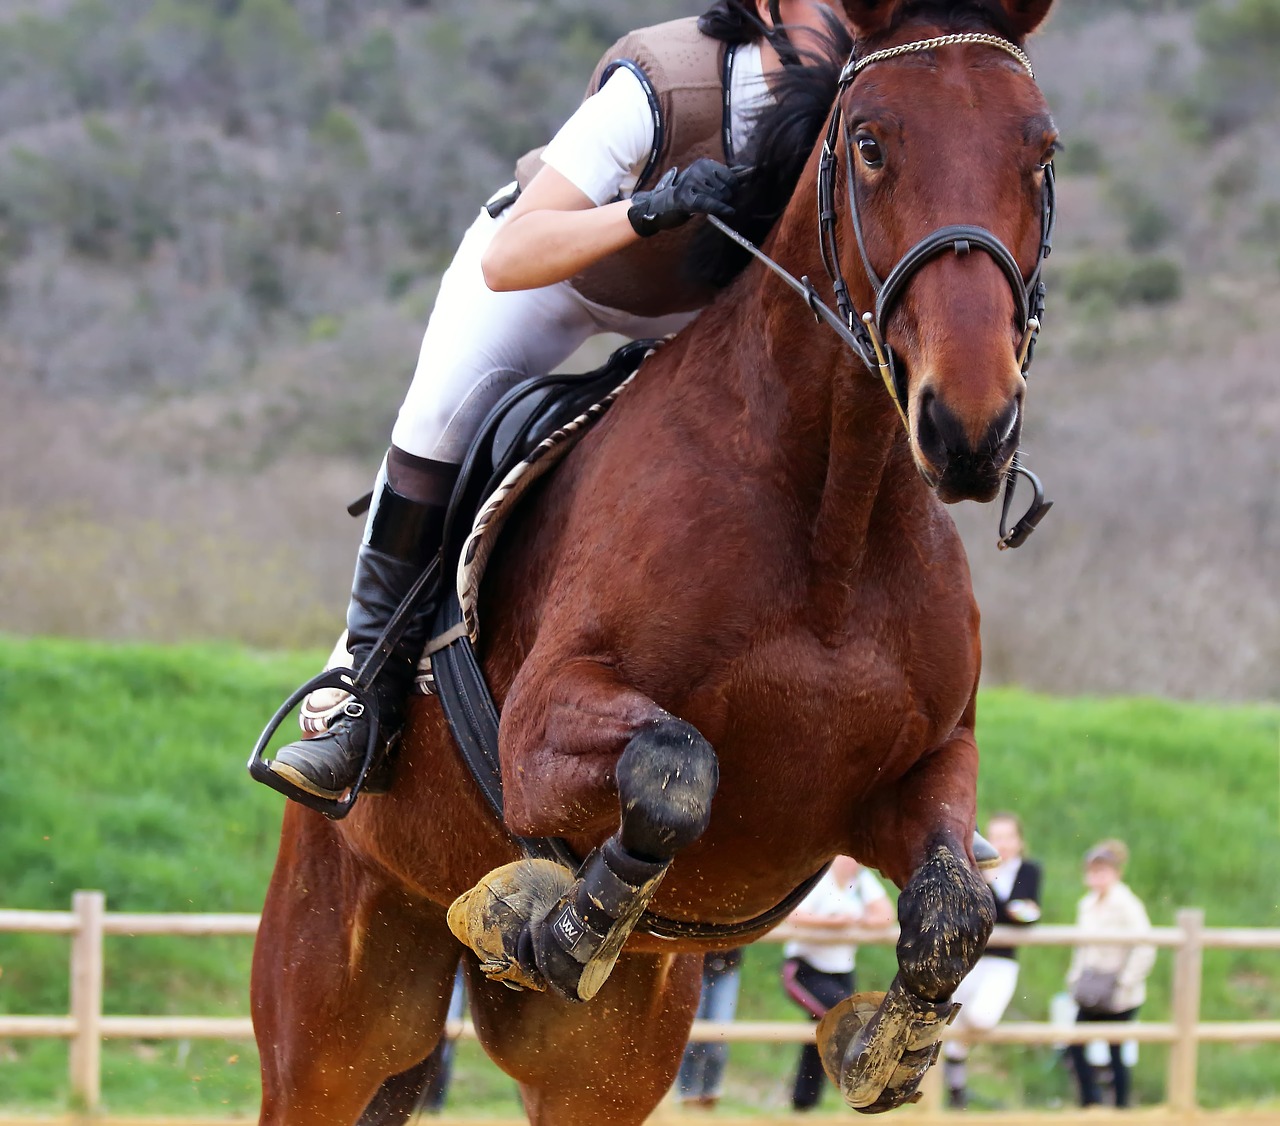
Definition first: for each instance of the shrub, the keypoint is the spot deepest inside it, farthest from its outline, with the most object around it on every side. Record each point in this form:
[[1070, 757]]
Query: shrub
[[1268, 226], [1096, 277], [1147, 223], [1080, 157], [1120, 281], [1240, 77], [1154, 281], [338, 133], [371, 80]]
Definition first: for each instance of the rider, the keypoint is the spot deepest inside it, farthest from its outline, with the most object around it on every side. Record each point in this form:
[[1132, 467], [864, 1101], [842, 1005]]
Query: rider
[[584, 242]]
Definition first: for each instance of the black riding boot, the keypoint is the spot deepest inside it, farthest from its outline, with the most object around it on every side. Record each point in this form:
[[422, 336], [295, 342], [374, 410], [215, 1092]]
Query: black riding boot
[[401, 538]]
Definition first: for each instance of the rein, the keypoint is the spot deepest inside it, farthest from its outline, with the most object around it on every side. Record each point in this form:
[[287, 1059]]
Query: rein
[[865, 334]]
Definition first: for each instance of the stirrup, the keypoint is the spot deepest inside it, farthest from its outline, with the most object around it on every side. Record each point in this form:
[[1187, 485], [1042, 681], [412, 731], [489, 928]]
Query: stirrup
[[260, 767], [361, 686]]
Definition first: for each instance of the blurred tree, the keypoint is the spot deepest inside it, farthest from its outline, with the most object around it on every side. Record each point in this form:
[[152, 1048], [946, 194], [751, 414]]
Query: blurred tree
[[1240, 77], [272, 61]]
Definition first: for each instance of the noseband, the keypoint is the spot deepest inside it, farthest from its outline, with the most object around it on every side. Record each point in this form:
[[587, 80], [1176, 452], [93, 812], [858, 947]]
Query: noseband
[[865, 334]]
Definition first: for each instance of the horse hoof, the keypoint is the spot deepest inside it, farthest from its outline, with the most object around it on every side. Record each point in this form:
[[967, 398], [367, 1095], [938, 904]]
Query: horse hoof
[[876, 1047], [493, 916]]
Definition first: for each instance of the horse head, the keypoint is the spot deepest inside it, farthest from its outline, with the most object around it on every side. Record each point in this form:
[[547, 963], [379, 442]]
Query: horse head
[[948, 210]]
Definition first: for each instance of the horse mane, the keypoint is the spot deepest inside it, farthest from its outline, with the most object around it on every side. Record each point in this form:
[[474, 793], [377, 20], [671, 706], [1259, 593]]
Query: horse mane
[[785, 133]]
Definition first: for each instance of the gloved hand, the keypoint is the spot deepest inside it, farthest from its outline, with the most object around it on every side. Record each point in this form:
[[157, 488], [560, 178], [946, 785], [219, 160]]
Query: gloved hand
[[704, 188]]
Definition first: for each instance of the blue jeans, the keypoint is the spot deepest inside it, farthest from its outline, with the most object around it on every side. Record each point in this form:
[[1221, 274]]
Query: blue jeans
[[702, 1069], [437, 1087]]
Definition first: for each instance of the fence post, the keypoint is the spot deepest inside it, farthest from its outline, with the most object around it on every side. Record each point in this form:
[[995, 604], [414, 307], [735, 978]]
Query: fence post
[[1188, 969], [89, 908]]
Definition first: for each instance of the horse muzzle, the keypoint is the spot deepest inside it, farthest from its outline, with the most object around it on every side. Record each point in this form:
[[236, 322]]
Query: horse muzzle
[[952, 462]]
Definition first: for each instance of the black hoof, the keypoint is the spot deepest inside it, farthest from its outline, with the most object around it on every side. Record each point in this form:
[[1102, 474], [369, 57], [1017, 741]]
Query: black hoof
[[946, 912], [667, 777]]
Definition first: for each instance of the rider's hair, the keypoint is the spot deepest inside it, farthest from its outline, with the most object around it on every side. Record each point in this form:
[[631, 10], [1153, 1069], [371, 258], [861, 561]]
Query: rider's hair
[[732, 21]]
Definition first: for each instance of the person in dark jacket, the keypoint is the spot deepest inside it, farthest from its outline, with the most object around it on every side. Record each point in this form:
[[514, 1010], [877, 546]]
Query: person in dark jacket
[[986, 992]]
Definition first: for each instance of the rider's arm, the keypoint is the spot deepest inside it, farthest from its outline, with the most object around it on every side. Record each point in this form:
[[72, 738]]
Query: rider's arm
[[554, 231], [567, 219]]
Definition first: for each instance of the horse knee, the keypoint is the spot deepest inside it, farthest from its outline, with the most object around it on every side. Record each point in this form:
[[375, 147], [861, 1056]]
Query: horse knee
[[667, 777], [946, 912]]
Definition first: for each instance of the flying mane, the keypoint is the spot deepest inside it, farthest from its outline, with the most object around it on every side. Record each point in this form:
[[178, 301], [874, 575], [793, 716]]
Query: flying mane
[[785, 133]]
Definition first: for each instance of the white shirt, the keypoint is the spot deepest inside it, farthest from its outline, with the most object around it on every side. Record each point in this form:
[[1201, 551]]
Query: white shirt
[[1003, 878], [831, 900], [604, 147]]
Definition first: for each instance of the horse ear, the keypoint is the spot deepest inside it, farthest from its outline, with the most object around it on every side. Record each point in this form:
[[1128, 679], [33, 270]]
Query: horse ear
[[870, 17], [1026, 15]]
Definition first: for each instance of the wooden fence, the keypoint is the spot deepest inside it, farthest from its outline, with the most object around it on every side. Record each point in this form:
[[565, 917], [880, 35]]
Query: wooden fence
[[85, 1027]]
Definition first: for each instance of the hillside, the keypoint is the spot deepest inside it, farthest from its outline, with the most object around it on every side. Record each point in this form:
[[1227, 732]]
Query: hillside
[[146, 745], [220, 229]]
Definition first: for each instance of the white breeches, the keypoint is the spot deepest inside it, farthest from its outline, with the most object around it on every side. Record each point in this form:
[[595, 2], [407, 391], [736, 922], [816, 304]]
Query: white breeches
[[479, 344], [983, 995]]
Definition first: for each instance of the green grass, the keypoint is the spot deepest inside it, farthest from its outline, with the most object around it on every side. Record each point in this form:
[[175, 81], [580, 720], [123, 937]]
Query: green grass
[[123, 770]]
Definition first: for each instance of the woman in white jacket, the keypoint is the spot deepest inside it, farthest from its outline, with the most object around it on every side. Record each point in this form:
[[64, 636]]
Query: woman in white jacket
[[1108, 982]]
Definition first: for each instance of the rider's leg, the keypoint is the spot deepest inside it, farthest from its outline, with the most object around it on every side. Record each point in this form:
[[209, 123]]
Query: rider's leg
[[402, 536], [477, 345]]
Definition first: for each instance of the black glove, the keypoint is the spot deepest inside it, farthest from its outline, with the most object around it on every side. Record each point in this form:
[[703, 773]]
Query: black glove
[[704, 188]]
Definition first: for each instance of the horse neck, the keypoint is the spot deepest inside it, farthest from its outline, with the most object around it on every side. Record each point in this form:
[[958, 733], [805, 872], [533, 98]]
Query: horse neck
[[840, 433]]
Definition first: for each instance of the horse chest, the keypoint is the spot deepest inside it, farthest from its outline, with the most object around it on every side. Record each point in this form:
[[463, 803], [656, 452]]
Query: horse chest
[[880, 694]]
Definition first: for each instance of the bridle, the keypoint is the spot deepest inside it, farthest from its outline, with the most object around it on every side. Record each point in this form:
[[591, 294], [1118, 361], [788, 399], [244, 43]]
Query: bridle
[[865, 334]]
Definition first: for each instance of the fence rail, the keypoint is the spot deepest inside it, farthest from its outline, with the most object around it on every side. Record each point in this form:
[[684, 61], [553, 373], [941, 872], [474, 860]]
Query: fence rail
[[85, 1027]]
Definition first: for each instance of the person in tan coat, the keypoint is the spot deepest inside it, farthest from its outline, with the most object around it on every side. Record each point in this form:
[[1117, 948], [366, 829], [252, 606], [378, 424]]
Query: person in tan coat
[[1108, 981]]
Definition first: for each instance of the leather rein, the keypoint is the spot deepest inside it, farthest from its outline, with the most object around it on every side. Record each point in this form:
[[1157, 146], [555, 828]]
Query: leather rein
[[865, 334]]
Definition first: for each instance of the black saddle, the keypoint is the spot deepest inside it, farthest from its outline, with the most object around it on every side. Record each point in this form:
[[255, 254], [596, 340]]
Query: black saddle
[[525, 417]]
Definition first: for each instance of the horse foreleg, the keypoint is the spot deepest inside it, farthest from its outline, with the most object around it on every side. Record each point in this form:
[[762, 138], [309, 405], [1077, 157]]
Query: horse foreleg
[[946, 913], [534, 923], [351, 982]]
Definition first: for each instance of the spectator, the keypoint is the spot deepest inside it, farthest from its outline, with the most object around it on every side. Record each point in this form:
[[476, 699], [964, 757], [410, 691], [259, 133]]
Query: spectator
[[702, 1069], [818, 976], [1108, 982], [986, 992]]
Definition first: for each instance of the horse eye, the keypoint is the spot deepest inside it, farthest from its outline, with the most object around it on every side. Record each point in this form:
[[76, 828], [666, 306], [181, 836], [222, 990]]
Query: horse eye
[[870, 151]]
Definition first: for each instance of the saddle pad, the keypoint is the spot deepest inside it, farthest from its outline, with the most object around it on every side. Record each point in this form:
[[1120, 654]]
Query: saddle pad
[[497, 508], [319, 709]]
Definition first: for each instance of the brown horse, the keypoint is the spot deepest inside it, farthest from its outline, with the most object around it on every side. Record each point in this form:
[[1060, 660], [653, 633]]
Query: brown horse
[[749, 554]]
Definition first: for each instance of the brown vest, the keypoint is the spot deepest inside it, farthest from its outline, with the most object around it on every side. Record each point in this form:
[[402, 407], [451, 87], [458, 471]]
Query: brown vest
[[683, 72]]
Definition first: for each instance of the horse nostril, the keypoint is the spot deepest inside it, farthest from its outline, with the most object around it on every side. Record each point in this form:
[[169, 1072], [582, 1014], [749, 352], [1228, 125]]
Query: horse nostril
[[1005, 427], [939, 433]]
